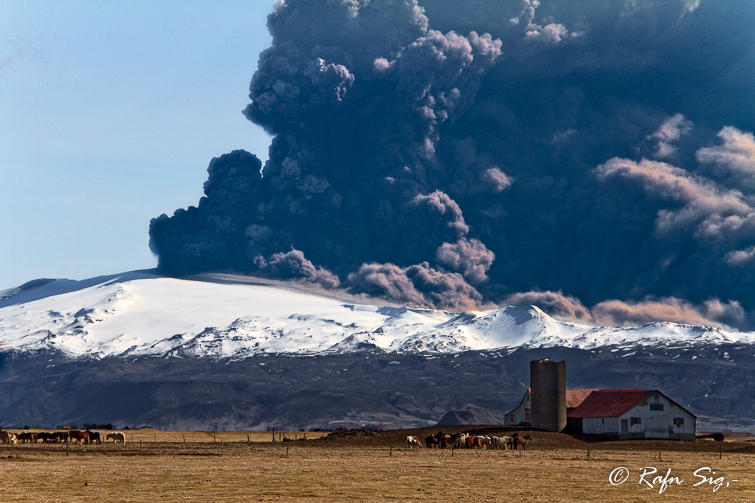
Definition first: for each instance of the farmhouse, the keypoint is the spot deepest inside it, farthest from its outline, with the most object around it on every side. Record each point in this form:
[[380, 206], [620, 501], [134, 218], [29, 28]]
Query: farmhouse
[[521, 415], [623, 413], [632, 413]]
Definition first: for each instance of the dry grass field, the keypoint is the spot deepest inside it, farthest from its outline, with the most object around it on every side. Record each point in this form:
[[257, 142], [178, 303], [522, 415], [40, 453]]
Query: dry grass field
[[367, 466]]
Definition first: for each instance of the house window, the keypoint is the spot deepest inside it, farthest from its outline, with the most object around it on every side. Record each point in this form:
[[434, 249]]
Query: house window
[[656, 406], [635, 420], [678, 422]]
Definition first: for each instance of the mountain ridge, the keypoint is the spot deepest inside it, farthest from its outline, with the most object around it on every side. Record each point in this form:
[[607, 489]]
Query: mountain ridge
[[141, 349], [143, 314]]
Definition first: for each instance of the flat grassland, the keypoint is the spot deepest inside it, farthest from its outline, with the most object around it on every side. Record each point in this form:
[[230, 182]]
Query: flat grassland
[[370, 466]]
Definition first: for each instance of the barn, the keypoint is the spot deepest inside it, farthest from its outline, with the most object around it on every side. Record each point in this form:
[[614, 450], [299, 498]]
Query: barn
[[521, 415], [632, 413]]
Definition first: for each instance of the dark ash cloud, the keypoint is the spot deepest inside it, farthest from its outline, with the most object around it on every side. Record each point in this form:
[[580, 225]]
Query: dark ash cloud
[[450, 153]]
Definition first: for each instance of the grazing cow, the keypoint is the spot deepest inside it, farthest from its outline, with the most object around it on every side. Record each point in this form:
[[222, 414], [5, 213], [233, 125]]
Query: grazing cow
[[116, 437], [7, 437], [78, 436], [94, 436], [412, 441]]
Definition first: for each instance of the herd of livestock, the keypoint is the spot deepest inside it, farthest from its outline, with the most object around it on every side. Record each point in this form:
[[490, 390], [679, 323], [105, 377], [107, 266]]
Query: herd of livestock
[[468, 441], [81, 436]]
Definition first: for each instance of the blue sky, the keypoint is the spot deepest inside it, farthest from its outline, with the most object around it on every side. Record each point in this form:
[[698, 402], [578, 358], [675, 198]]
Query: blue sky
[[109, 115]]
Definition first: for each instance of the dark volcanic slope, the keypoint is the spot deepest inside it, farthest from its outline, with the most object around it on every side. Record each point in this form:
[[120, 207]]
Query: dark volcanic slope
[[366, 389]]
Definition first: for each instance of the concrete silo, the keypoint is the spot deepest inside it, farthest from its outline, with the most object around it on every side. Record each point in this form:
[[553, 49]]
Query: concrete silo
[[548, 388]]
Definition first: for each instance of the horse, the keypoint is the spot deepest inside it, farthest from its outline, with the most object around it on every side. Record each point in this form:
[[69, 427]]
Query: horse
[[7, 437], [116, 437], [94, 436], [27, 437], [412, 441], [518, 440], [445, 440], [484, 442], [461, 440], [78, 436]]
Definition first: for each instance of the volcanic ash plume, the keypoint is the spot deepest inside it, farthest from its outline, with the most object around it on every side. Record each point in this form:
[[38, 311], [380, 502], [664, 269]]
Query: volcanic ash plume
[[455, 154]]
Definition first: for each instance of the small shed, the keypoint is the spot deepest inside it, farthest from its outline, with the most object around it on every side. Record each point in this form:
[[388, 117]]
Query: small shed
[[632, 413], [521, 415]]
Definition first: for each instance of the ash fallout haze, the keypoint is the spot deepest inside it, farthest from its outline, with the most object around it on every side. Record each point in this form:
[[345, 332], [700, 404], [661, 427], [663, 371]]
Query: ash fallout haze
[[596, 159]]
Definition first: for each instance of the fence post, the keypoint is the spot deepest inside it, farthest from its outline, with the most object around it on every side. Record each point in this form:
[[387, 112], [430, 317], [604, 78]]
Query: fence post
[[140, 446], [213, 438], [248, 440], [273, 435], [184, 438], [286, 450], [221, 447], [68, 443], [155, 437]]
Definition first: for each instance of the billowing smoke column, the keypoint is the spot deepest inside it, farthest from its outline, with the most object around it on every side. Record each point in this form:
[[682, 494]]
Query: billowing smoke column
[[455, 154]]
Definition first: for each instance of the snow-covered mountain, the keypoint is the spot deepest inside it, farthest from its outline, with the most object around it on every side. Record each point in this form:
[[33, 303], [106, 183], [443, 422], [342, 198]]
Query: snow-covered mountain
[[142, 314], [233, 352]]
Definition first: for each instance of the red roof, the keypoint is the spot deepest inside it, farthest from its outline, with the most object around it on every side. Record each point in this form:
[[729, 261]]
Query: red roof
[[610, 402], [574, 397]]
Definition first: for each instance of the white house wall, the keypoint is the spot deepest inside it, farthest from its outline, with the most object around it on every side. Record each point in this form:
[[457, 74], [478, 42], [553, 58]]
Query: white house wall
[[521, 414], [600, 425], [653, 423], [656, 423]]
